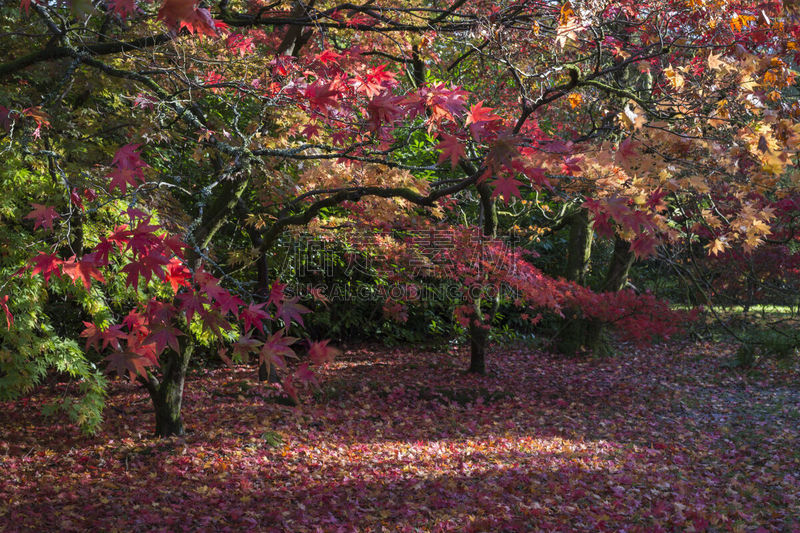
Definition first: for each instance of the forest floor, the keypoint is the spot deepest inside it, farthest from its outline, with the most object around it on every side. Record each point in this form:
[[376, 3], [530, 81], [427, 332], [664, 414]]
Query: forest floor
[[662, 439]]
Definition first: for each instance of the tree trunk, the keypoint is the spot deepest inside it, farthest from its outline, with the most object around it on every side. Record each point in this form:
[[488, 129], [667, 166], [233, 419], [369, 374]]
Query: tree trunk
[[616, 278], [572, 337], [621, 263], [167, 393], [478, 340], [579, 249], [267, 371], [479, 334]]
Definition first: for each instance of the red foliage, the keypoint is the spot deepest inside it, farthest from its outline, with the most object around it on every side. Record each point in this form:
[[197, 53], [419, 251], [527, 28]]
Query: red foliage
[[143, 252]]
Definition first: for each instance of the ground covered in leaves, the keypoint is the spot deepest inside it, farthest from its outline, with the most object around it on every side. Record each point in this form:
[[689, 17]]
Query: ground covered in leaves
[[665, 439]]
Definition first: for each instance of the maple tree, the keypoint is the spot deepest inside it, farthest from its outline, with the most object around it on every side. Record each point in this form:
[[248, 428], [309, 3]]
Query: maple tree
[[230, 124]]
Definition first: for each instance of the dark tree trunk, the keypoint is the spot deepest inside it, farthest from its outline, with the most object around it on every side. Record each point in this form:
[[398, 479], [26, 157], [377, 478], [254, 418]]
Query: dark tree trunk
[[479, 334], [266, 370], [572, 337], [616, 278], [167, 393], [478, 340], [621, 263]]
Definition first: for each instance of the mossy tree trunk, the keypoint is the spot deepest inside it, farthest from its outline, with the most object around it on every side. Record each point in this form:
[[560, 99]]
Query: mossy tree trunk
[[167, 392], [571, 338]]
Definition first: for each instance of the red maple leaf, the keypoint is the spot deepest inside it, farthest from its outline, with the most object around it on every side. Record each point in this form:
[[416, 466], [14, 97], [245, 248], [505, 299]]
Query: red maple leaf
[[239, 44], [120, 236], [310, 131], [507, 187], [322, 95], [202, 23], [192, 302], [654, 201], [134, 364], [92, 334], [128, 168], [305, 375], [162, 337], [47, 265], [175, 245], [481, 119], [145, 267], [122, 177], [276, 295], [229, 303], [159, 313], [478, 113], [143, 238], [133, 271], [375, 82], [128, 156], [626, 150], [289, 388], [571, 165], [643, 246], [110, 337], [177, 274], [75, 198], [451, 148], [291, 310], [135, 322], [275, 348], [123, 8], [43, 216], [214, 322], [444, 103], [321, 353], [254, 316], [383, 109], [172, 12], [327, 56], [83, 270], [246, 345], [618, 208], [537, 176]]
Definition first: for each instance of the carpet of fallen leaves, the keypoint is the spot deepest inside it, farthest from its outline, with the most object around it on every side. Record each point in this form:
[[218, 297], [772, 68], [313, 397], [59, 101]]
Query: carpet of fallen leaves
[[663, 439]]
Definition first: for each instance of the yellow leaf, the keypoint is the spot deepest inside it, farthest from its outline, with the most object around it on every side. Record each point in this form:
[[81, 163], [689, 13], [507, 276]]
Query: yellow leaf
[[717, 245], [675, 77], [714, 62], [575, 100]]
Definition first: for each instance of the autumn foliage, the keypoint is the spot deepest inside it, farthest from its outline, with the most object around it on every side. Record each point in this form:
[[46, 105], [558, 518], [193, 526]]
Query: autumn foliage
[[160, 154]]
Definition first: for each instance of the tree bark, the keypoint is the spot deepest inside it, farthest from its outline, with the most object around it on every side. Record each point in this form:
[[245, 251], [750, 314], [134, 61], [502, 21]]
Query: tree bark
[[478, 340], [479, 333], [616, 278], [572, 337], [579, 249], [167, 393]]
